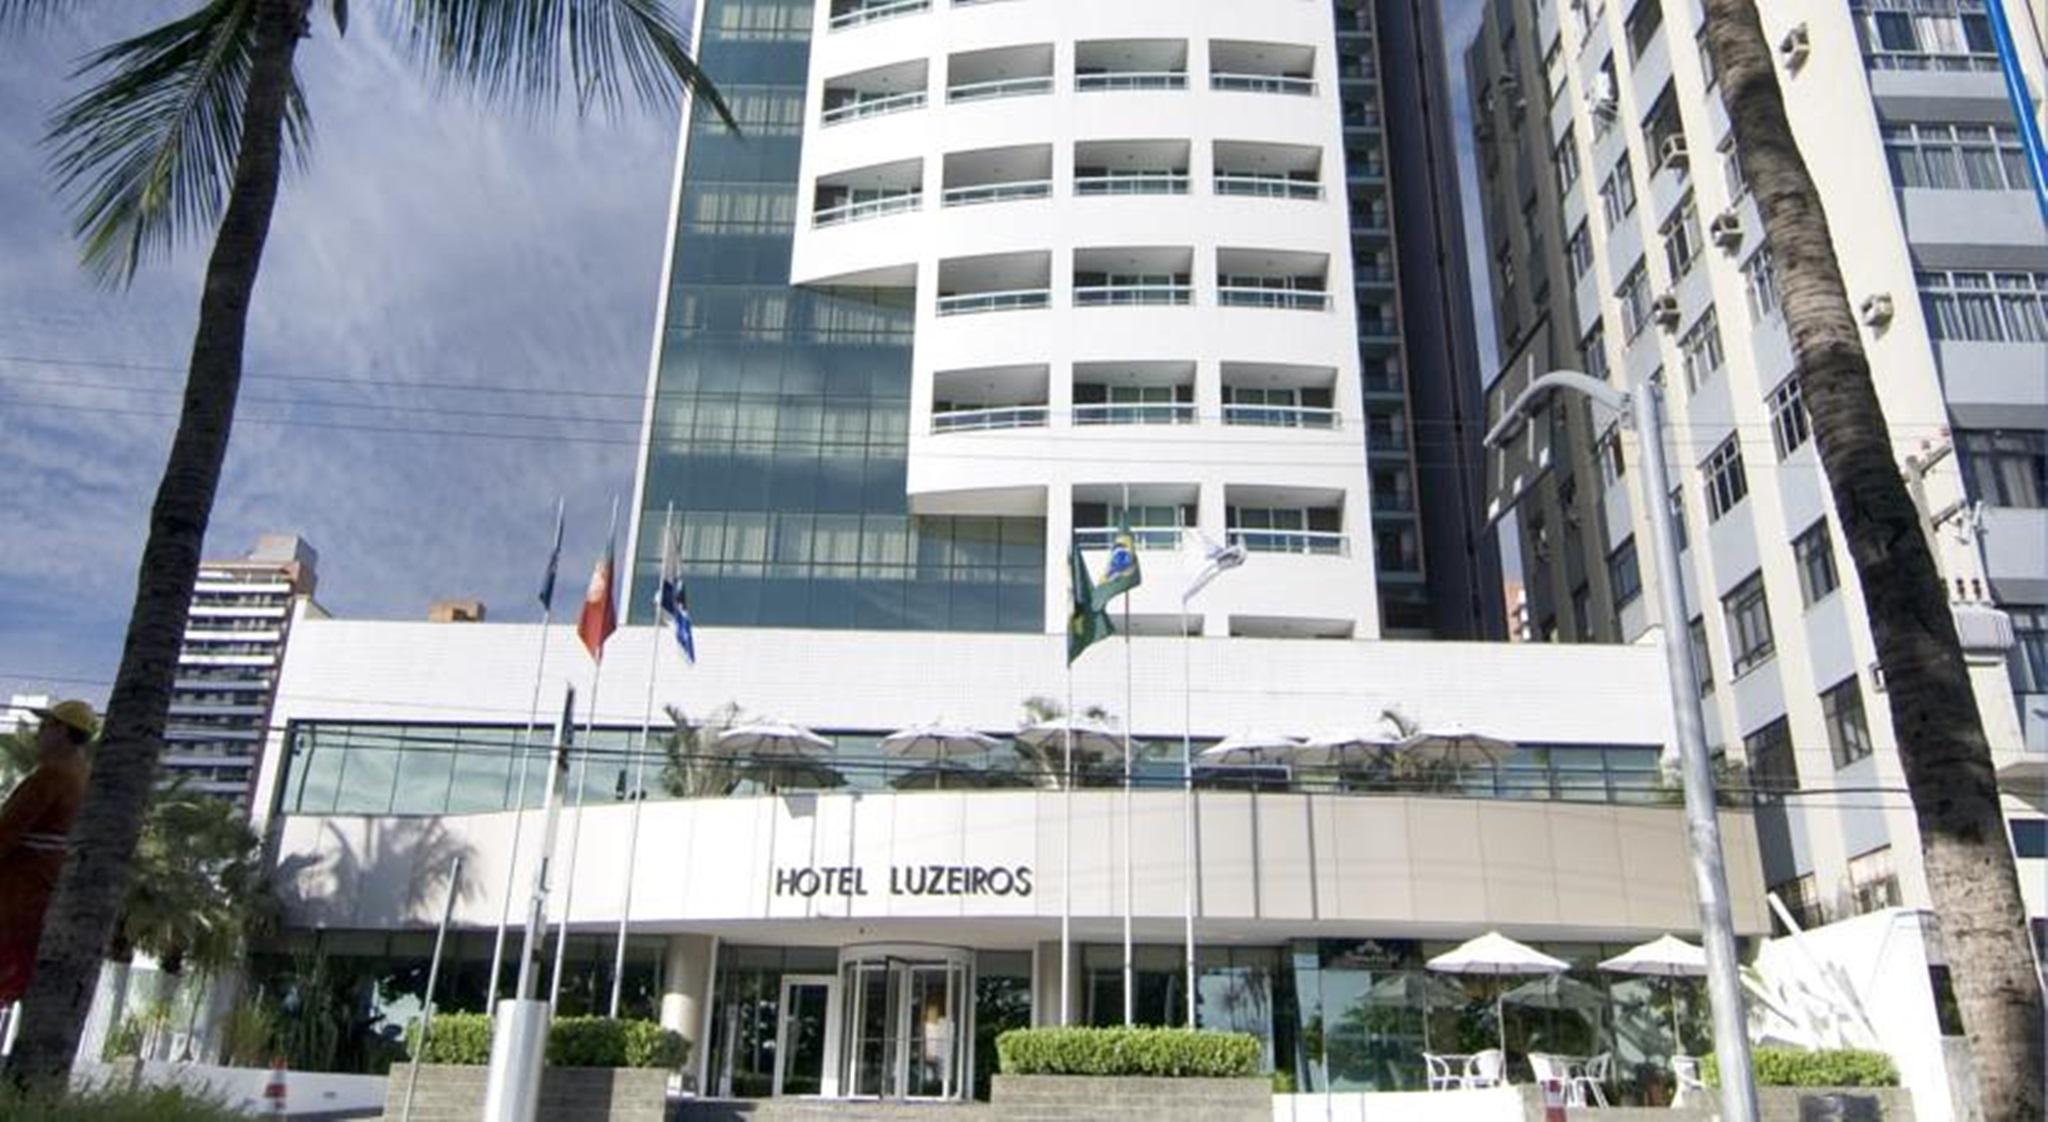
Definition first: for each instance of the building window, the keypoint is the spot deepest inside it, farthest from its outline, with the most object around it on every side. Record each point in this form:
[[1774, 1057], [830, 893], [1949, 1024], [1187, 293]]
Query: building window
[[1643, 24], [1790, 426], [1678, 530], [1710, 72], [1946, 35], [1634, 295], [2006, 467], [1760, 281], [2029, 837], [1956, 157], [1771, 764], [1801, 897], [1981, 307], [1726, 483], [1682, 238], [1702, 654], [1567, 153], [1618, 193], [1581, 250], [1594, 349], [1841, 706], [1748, 614], [1624, 573], [2028, 660], [1814, 554], [1607, 449], [1701, 346], [1732, 173], [1872, 881], [1582, 612]]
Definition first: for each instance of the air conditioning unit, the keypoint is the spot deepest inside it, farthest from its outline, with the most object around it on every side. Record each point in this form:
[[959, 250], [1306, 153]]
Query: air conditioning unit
[[1726, 230], [1673, 153], [1876, 309], [1795, 46], [1664, 309], [1601, 97]]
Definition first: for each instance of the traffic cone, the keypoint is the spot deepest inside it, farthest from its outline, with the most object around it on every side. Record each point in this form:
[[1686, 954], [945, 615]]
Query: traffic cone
[[273, 1091]]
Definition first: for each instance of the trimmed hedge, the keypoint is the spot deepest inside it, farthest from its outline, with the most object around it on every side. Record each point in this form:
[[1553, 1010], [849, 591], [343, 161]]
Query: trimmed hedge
[[465, 1038], [1797, 1067], [1128, 1051], [158, 1104]]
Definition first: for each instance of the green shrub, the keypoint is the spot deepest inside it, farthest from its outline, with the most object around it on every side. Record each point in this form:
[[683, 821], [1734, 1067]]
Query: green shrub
[[124, 1040], [1797, 1067], [1127, 1051], [158, 1104], [465, 1038]]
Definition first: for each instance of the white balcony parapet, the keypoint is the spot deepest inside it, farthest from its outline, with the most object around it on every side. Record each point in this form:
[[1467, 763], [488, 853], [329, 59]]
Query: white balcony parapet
[[1103, 295], [1132, 80], [1133, 183], [1281, 416], [867, 208], [1000, 87], [1135, 413], [1325, 543], [874, 107], [872, 13], [997, 192], [983, 420], [1267, 186], [1145, 537], [1262, 83], [1012, 300], [1304, 299]]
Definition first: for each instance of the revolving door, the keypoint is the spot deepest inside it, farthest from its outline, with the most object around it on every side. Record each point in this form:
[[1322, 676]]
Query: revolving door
[[907, 1028]]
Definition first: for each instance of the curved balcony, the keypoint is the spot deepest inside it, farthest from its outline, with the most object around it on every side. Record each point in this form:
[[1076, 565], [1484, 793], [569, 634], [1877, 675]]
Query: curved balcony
[[969, 303], [866, 209], [1281, 416], [1238, 296], [873, 107], [999, 88], [1131, 183], [1262, 83], [1267, 186], [980, 193], [1147, 538], [1135, 413], [860, 15], [1131, 80], [986, 420], [1106, 295]]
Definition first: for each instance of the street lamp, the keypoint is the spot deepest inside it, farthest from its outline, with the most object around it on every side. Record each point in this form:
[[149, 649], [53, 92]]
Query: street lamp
[[1218, 559], [1643, 409]]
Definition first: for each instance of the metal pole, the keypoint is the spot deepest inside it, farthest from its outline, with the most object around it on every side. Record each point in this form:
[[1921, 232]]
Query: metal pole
[[1703, 824], [638, 793], [412, 1080], [519, 807], [575, 833], [1130, 966], [1187, 802], [1067, 861], [551, 816]]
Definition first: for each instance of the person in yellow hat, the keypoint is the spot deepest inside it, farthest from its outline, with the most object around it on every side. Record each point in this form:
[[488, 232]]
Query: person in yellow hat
[[35, 827]]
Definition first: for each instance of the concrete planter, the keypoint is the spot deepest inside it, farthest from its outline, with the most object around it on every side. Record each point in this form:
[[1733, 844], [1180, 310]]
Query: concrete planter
[[1779, 1104], [455, 1093], [1073, 1098]]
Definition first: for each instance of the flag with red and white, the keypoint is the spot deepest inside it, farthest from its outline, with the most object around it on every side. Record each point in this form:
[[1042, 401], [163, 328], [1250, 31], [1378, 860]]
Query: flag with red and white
[[600, 609]]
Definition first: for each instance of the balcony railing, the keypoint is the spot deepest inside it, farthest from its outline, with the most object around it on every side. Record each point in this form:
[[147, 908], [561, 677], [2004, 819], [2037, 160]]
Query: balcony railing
[[1133, 183], [1132, 80], [1281, 416], [1267, 186], [1326, 543], [1262, 83], [966, 303], [1135, 413], [982, 420], [997, 192], [1393, 502], [1298, 298], [867, 208], [1102, 295], [1926, 60], [1000, 87], [871, 13], [1146, 537], [874, 107]]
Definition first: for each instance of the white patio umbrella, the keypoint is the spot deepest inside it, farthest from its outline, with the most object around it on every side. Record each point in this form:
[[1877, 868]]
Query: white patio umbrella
[[1249, 748], [773, 738], [1457, 745], [1495, 954], [940, 744], [1047, 740], [1559, 992], [1343, 749], [1667, 957]]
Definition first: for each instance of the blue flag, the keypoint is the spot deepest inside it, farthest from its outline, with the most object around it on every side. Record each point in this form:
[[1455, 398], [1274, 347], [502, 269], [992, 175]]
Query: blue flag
[[671, 598], [547, 579]]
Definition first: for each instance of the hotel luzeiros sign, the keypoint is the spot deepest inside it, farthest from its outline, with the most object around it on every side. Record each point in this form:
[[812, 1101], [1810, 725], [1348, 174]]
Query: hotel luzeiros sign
[[808, 882]]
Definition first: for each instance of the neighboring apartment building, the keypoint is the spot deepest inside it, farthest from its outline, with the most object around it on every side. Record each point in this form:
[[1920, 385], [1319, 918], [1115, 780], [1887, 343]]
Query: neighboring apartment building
[[242, 612], [1656, 269]]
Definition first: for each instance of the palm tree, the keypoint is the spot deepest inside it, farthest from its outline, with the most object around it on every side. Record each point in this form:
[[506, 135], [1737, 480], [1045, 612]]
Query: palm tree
[[1946, 759], [693, 765], [186, 129]]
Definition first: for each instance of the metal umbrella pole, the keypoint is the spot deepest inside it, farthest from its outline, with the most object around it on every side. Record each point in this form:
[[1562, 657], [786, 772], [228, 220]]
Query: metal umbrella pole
[[412, 1079]]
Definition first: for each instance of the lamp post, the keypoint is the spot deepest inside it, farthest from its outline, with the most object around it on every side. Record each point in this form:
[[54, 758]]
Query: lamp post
[[1643, 409], [1219, 559]]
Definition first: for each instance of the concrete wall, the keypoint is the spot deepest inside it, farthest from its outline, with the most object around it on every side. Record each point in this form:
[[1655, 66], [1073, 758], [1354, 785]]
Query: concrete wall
[[455, 1093], [1072, 1098]]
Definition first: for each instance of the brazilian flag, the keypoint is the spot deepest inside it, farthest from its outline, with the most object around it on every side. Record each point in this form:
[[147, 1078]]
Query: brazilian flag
[[1122, 574], [1087, 623]]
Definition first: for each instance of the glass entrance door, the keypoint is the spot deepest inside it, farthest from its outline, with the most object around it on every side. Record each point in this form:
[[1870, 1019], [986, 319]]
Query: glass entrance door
[[803, 1035], [908, 1033]]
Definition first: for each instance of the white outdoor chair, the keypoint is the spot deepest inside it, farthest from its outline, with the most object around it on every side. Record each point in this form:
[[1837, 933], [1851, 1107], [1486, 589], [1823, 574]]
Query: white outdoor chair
[[1548, 1068], [1587, 1082], [1484, 1069], [1686, 1069], [1442, 1075]]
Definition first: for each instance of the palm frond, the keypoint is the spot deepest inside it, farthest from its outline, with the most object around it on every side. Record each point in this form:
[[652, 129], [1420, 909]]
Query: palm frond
[[147, 153], [606, 51]]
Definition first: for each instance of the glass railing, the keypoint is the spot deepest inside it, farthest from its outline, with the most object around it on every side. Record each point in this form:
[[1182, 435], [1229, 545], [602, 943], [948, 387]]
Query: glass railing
[[1001, 87], [1133, 183], [1325, 543], [1135, 413], [1145, 537], [1240, 297], [966, 303], [871, 13], [873, 107], [867, 208], [1262, 83], [1267, 186], [981, 420], [997, 192], [1281, 416], [1101, 295], [1132, 80], [1926, 60]]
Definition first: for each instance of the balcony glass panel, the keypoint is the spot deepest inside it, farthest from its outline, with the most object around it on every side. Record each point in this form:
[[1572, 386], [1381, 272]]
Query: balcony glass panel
[[1135, 413], [1131, 183], [874, 106], [1131, 80], [854, 15], [1321, 542], [980, 420], [969, 302], [1239, 296], [997, 192], [1262, 83], [1001, 87], [1267, 186], [1133, 292], [1280, 416], [861, 209]]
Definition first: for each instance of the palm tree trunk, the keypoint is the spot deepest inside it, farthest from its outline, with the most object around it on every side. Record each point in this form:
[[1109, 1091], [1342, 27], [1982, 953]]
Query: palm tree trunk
[[96, 876], [1942, 748]]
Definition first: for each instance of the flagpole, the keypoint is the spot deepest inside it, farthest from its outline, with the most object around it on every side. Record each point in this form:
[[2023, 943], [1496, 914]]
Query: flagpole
[[1187, 800], [1067, 859], [1130, 966], [582, 781], [638, 793], [547, 612]]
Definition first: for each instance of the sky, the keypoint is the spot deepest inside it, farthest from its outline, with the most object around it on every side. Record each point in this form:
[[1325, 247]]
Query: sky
[[451, 328]]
